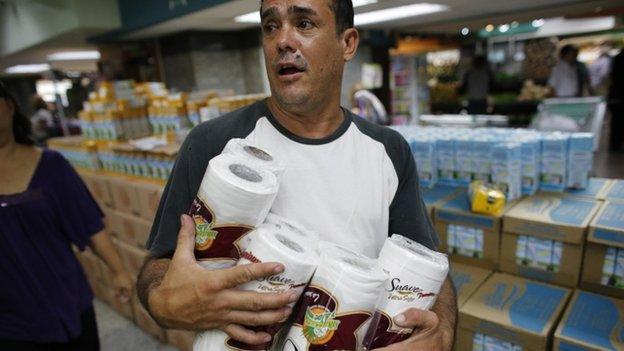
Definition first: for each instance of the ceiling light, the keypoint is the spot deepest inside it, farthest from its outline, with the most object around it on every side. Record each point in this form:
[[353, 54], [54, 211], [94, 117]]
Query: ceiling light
[[254, 17], [398, 12], [503, 28], [489, 27], [538, 22], [514, 24], [74, 55], [33, 68], [465, 31]]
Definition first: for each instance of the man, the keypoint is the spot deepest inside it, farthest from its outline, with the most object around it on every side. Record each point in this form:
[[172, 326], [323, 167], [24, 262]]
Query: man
[[569, 77], [616, 103], [477, 84], [351, 181]]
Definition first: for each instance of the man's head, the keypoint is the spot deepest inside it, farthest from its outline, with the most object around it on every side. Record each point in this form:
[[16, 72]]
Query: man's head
[[306, 44], [568, 53]]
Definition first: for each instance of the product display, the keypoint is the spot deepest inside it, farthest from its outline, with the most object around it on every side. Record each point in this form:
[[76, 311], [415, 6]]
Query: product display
[[338, 303], [416, 275], [268, 244], [235, 196]]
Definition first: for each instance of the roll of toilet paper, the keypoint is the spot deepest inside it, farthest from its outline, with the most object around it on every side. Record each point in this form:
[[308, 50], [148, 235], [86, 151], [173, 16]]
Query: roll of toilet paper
[[291, 227], [338, 302], [416, 275], [255, 155], [268, 244], [235, 196]]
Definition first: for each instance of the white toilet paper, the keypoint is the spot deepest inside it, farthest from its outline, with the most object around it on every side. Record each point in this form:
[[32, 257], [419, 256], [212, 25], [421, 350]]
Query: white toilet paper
[[416, 274], [292, 228], [337, 303], [255, 155], [234, 197], [268, 244]]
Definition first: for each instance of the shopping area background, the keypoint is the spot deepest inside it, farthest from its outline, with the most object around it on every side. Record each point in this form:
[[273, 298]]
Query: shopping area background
[[528, 97]]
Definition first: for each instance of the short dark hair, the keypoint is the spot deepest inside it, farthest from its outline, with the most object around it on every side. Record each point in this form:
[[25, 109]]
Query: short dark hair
[[21, 124], [567, 49], [343, 14]]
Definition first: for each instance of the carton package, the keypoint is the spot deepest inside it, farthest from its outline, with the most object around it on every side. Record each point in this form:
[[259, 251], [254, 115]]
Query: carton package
[[580, 159], [615, 192], [530, 156], [148, 194], [463, 152], [437, 195], [482, 158], [446, 161], [468, 237], [544, 236], [507, 169], [591, 322], [99, 187], [132, 257], [603, 268], [596, 189], [129, 229], [510, 313], [124, 195], [467, 280], [553, 167], [423, 150], [182, 339], [146, 322]]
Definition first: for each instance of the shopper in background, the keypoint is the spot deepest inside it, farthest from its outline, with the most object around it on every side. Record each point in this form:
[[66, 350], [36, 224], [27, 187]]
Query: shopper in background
[[569, 77], [42, 120], [477, 84], [599, 72], [45, 299], [616, 102]]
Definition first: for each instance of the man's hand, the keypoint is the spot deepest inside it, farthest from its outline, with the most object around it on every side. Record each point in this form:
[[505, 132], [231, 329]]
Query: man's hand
[[192, 297], [123, 286]]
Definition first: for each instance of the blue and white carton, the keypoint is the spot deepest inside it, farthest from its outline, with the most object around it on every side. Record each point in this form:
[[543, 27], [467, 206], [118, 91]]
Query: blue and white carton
[[554, 162], [580, 160]]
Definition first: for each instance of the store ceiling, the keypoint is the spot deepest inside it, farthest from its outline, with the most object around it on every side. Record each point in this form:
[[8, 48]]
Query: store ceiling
[[461, 13]]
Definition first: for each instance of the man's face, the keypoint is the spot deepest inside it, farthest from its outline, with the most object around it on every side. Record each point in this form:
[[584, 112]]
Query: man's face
[[570, 56], [304, 55]]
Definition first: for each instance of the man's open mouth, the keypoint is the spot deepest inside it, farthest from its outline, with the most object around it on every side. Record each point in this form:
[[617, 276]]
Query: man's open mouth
[[287, 70]]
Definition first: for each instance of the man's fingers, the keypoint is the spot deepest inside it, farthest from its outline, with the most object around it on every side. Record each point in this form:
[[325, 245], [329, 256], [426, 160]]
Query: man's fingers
[[254, 301], [245, 335], [235, 276], [186, 239], [259, 318], [418, 319]]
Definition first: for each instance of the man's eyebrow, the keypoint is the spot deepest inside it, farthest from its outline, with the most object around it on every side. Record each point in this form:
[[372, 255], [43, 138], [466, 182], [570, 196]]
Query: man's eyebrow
[[270, 12], [302, 11]]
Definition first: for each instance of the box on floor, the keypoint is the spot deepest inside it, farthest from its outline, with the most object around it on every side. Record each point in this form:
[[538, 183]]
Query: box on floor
[[148, 194], [615, 192], [129, 229], [468, 237], [544, 236], [437, 195], [99, 187], [511, 313], [603, 267], [467, 279], [591, 322], [596, 189], [124, 194]]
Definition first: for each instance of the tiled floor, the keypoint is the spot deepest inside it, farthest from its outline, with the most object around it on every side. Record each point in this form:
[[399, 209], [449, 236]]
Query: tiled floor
[[119, 334]]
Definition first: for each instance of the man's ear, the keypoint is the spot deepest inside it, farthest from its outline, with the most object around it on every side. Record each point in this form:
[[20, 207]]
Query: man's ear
[[350, 42]]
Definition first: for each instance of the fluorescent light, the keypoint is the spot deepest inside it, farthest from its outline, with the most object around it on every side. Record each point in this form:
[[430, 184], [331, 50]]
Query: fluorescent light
[[538, 23], [398, 12], [74, 55], [503, 28], [254, 17], [33, 68], [465, 31], [489, 27]]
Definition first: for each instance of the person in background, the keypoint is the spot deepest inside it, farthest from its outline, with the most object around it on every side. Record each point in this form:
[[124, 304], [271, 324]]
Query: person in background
[[45, 208], [42, 120], [477, 84], [569, 77], [616, 102], [599, 72]]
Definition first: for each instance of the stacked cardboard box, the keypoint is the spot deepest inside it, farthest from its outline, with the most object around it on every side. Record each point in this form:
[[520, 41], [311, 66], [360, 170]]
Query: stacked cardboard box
[[615, 192], [544, 236], [596, 189], [467, 280], [510, 313], [436, 196]]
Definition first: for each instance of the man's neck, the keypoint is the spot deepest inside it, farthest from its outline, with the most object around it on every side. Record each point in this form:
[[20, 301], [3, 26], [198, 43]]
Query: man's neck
[[8, 146], [313, 124]]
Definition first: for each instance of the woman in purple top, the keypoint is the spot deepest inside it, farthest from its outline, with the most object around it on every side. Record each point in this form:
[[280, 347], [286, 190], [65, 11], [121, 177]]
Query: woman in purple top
[[45, 299]]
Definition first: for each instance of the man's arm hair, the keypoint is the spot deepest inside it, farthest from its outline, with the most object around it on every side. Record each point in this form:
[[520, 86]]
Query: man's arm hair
[[446, 308], [150, 277]]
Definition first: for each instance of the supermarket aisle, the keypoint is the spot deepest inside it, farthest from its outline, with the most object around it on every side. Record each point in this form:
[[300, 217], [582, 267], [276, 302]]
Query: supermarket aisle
[[119, 334]]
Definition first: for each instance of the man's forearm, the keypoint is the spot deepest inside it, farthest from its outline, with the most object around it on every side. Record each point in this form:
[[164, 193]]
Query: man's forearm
[[446, 308], [150, 277]]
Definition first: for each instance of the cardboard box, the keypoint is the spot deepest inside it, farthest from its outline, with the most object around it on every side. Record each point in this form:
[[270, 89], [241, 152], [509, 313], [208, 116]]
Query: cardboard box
[[437, 195], [615, 192], [124, 195], [591, 322], [182, 339], [603, 268], [132, 257], [149, 195], [513, 310], [467, 280], [595, 190], [129, 229], [99, 187], [143, 319], [469, 238], [544, 236]]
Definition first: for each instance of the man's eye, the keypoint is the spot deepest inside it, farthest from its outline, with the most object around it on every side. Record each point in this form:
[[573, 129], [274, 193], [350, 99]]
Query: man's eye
[[269, 27], [305, 24]]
